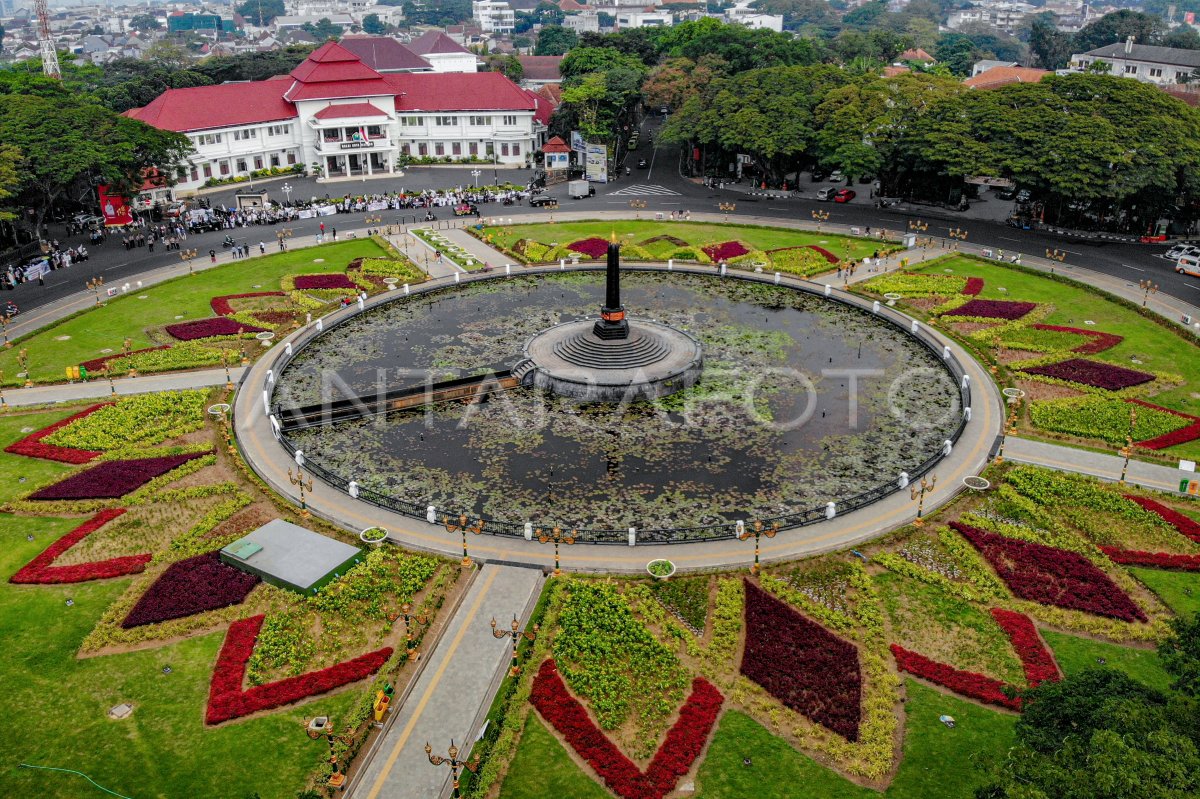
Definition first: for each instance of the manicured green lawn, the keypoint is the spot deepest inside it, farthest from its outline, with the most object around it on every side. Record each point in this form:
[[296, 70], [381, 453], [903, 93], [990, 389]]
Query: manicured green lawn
[[21, 475], [1179, 590], [163, 749], [938, 761], [128, 316], [695, 233], [1156, 347], [1076, 654]]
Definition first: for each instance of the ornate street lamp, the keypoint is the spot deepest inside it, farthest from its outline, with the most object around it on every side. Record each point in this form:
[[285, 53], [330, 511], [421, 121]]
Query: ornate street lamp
[[515, 634], [461, 525], [558, 537], [298, 480], [1127, 450], [757, 531], [453, 762], [409, 617], [1148, 287], [918, 225], [637, 206], [918, 493], [819, 217], [727, 208]]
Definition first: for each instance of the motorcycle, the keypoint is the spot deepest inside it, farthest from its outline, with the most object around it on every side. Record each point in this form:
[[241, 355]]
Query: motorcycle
[[228, 242], [429, 217]]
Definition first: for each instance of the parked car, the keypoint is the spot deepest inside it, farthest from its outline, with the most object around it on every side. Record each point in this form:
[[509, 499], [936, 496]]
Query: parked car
[[836, 176], [819, 174], [642, 163], [1180, 250], [844, 196], [664, 110], [826, 194], [541, 200]]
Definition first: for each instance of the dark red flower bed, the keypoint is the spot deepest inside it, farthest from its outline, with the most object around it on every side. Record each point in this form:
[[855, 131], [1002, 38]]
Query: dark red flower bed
[[826, 254], [993, 309], [336, 280], [40, 571], [1052, 576], [191, 586], [725, 250], [1092, 373], [274, 317], [98, 364], [674, 757], [973, 287], [1036, 658], [1155, 560], [227, 700], [112, 479], [1180, 436], [595, 247], [802, 664], [1098, 342], [1186, 525], [968, 683], [207, 328], [31, 446], [221, 306]]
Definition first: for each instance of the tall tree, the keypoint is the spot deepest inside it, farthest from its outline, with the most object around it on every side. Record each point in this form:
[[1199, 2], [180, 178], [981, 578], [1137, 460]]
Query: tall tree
[[1051, 48], [1181, 655], [323, 29], [145, 22], [555, 40], [1115, 27], [373, 24]]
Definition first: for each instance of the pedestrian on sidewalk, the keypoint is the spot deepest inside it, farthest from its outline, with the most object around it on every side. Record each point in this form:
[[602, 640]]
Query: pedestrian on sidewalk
[[262, 248], [212, 256]]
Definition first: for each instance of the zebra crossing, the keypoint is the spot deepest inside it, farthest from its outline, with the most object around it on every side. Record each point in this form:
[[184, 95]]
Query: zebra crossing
[[644, 190]]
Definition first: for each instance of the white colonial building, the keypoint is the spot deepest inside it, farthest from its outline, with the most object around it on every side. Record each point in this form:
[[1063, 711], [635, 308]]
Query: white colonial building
[[494, 16], [1165, 66], [340, 118]]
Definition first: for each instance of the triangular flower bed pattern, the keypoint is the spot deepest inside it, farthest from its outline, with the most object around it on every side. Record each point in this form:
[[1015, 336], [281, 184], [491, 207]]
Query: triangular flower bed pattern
[[335, 280], [1052, 576], [222, 307], [1092, 373], [1096, 340], [101, 364], [31, 446], [802, 664], [191, 586], [992, 309], [112, 479], [1186, 526], [41, 571], [1181, 436], [228, 700], [1036, 660], [208, 328], [674, 757]]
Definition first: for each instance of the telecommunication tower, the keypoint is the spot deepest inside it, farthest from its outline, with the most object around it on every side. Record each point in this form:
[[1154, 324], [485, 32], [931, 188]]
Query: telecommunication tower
[[49, 55]]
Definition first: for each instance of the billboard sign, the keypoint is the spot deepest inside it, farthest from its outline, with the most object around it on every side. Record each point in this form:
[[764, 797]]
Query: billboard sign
[[596, 169], [577, 145], [114, 208]]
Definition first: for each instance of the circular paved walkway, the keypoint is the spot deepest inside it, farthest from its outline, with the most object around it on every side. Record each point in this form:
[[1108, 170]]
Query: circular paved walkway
[[271, 461]]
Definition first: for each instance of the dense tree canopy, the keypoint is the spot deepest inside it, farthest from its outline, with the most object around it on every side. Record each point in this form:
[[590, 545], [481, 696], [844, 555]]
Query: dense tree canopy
[[554, 40]]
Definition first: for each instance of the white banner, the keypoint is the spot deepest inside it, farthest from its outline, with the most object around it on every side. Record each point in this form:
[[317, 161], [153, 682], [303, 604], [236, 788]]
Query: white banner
[[597, 163]]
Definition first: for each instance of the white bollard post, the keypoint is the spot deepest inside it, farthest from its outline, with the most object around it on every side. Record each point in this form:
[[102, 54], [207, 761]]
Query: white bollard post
[[270, 376], [739, 527], [299, 457], [722, 270], [508, 269], [830, 510], [875, 307], [946, 353], [456, 277], [266, 402], [361, 305], [903, 481], [275, 427], [431, 514], [632, 536], [562, 263], [776, 278], [352, 489], [947, 447], [528, 531], [670, 264], [287, 348], [916, 326], [966, 381], [320, 325], [967, 413], [406, 289], [828, 290]]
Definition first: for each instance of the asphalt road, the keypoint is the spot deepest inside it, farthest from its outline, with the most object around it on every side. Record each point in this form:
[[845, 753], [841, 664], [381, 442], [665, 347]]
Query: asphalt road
[[660, 186]]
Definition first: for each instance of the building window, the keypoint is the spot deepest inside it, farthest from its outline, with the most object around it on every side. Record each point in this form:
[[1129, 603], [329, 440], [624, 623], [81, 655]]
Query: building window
[[1180, 76], [291, 158], [244, 135], [274, 160], [258, 162], [208, 138], [207, 170], [1155, 72], [456, 148], [241, 165], [479, 122], [374, 132], [224, 167], [404, 149], [473, 148], [422, 149], [490, 148], [439, 149], [412, 122], [1130, 69], [445, 122], [510, 120], [331, 134], [504, 149], [195, 175], [516, 150]]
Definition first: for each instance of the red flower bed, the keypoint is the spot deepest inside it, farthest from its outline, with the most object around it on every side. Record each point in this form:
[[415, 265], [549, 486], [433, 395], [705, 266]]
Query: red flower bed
[[1155, 560], [725, 250], [337, 280], [98, 364], [826, 254], [227, 700], [207, 328], [1099, 342], [1052, 576], [968, 683], [221, 306], [31, 445], [1092, 373], [191, 586], [994, 309], [1186, 525], [40, 571], [595, 247], [273, 317], [973, 287], [1036, 659], [112, 479], [1180, 436], [673, 759], [802, 664]]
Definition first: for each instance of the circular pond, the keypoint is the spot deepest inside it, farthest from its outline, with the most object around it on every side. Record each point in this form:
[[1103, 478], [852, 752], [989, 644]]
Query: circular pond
[[802, 401]]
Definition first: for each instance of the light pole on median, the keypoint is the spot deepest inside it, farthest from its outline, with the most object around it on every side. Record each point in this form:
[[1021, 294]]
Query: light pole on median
[[286, 188]]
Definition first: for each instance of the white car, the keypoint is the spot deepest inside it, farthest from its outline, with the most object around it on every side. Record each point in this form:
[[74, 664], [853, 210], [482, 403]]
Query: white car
[[1180, 250], [836, 176]]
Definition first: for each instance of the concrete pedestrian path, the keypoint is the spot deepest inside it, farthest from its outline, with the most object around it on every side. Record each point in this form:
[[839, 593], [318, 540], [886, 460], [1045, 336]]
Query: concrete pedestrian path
[[455, 688], [99, 388], [488, 255], [1096, 464]]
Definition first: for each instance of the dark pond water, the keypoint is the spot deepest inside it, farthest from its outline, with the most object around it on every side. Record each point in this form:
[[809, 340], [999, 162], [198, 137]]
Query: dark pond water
[[802, 401]]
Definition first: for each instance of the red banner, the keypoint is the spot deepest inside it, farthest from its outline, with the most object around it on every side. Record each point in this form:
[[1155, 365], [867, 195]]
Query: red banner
[[114, 208]]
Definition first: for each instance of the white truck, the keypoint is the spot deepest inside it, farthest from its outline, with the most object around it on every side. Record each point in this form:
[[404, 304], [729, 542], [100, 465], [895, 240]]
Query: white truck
[[578, 189]]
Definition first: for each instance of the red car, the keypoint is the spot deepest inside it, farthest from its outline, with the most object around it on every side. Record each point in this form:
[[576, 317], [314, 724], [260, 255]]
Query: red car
[[844, 196]]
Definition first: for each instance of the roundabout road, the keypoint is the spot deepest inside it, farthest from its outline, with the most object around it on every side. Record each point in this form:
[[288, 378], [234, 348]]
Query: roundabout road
[[271, 461]]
